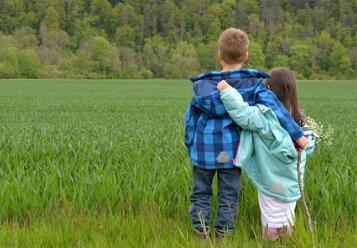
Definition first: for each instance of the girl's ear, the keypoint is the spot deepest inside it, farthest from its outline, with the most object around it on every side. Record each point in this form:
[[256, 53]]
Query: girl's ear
[[247, 56], [267, 85], [219, 55]]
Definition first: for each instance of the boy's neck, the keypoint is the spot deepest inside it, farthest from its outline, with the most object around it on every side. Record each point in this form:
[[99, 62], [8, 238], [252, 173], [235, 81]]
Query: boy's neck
[[228, 67]]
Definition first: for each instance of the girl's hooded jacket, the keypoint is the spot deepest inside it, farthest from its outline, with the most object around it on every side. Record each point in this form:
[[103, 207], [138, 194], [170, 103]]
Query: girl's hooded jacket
[[266, 152]]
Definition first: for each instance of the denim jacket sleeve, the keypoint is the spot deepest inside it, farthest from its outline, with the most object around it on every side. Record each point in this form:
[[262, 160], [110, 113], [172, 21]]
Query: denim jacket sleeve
[[268, 98]]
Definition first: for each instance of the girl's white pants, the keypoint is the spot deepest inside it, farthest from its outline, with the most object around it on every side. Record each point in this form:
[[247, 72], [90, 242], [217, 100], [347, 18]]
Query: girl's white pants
[[275, 213]]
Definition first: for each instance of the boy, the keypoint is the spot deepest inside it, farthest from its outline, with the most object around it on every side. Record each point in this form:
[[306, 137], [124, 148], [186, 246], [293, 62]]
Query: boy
[[212, 138]]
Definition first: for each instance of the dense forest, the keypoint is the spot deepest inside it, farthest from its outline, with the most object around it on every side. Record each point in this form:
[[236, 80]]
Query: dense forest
[[173, 38]]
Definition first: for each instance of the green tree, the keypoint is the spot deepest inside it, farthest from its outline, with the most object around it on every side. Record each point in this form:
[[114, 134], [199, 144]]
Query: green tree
[[83, 30], [257, 29], [340, 63], [168, 20], [100, 14], [183, 61], [52, 18], [25, 37], [125, 14], [29, 63], [251, 7], [6, 71], [155, 55], [146, 73], [214, 11], [56, 39], [80, 65], [111, 63], [7, 41], [133, 72], [59, 32], [125, 36], [128, 58], [273, 48], [281, 60], [300, 59], [324, 44], [9, 63], [98, 47], [101, 57], [256, 56], [214, 29], [11, 12], [54, 45], [228, 6], [207, 55]]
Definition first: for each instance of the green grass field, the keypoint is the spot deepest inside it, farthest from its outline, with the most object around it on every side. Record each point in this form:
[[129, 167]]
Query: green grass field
[[102, 164]]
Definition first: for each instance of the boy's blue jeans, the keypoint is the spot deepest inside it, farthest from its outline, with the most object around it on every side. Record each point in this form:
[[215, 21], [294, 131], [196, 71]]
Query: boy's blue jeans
[[228, 189]]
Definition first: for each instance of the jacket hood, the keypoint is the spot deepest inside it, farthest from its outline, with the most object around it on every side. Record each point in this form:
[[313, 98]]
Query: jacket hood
[[235, 73], [211, 104], [206, 95]]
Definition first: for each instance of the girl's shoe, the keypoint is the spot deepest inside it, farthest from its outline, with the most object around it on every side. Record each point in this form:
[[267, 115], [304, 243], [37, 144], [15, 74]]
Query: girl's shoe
[[285, 232], [270, 233]]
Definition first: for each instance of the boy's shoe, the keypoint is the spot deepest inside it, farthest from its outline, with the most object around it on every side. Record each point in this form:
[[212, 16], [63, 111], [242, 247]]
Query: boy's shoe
[[220, 234], [201, 232]]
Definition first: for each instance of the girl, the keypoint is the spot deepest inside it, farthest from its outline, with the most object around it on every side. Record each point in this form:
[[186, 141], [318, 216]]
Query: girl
[[267, 153]]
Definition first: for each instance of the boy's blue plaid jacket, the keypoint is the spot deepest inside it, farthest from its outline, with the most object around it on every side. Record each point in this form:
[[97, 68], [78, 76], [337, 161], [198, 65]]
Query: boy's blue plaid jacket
[[211, 136]]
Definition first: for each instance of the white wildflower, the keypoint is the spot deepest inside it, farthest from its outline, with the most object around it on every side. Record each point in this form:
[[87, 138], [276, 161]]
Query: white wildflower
[[323, 135]]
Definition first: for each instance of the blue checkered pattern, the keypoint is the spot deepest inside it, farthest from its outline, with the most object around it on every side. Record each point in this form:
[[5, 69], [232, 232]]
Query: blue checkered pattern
[[211, 136]]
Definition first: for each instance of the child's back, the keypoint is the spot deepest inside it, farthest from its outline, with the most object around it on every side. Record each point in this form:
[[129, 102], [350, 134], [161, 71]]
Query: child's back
[[267, 153], [212, 138], [211, 135]]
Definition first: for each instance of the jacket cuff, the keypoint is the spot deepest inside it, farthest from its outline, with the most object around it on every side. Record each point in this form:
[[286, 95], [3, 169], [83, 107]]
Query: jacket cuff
[[296, 135]]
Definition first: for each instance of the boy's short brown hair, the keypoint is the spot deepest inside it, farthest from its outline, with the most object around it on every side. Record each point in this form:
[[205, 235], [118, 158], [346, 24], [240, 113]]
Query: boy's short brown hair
[[233, 45]]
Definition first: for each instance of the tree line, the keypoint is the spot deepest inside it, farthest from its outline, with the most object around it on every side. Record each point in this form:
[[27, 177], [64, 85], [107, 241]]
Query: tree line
[[173, 38]]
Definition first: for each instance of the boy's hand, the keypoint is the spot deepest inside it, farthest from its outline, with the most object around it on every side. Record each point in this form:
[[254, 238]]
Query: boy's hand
[[302, 141], [222, 85]]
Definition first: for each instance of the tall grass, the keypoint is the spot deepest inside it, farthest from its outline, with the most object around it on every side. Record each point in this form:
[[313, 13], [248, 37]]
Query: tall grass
[[102, 163]]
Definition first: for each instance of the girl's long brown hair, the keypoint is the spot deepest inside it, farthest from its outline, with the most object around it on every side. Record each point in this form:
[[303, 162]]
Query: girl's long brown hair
[[283, 84]]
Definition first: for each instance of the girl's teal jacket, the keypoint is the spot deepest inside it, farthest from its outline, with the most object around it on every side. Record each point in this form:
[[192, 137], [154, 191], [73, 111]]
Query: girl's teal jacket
[[266, 152]]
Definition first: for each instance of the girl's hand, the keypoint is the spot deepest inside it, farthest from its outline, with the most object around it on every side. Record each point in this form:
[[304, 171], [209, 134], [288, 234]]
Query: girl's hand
[[302, 142], [222, 85]]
